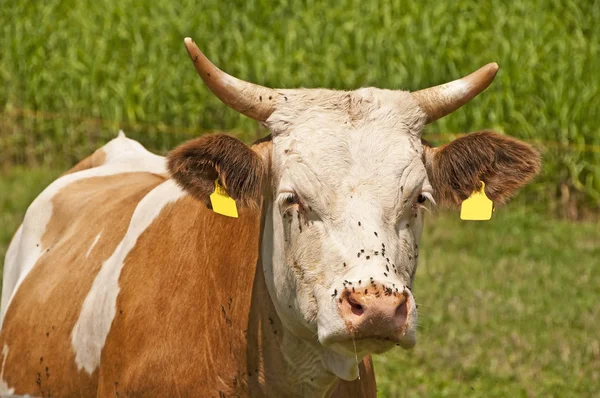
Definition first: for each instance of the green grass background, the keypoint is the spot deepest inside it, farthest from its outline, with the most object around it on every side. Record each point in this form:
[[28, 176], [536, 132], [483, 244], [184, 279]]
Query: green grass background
[[508, 307], [86, 68]]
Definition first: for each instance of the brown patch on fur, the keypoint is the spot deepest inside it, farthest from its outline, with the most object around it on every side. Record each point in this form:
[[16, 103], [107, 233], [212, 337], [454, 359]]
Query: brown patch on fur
[[40, 319], [185, 296], [196, 164], [503, 163]]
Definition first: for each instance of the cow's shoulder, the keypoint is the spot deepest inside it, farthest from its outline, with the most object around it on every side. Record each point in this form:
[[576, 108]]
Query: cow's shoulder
[[118, 157], [186, 323]]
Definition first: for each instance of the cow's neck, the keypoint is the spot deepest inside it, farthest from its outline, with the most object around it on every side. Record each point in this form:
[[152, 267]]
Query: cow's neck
[[279, 362]]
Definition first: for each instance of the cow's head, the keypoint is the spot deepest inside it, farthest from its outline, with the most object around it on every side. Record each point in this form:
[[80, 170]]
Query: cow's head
[[346, 178]]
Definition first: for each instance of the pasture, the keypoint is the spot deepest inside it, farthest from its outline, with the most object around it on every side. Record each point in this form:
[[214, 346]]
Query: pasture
[[72, 74], [508, 307]]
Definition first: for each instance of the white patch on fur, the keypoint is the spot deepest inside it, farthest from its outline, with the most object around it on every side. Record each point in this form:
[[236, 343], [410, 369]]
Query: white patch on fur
[[307, 370], [99, 308], [302, 351], [343, 367], [4, 389], [11, 271], [122, 155], [96, 239], [131, 154]]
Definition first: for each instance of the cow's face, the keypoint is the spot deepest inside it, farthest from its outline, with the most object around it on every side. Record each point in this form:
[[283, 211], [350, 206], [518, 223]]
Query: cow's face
[[349, 186], [346, 179]]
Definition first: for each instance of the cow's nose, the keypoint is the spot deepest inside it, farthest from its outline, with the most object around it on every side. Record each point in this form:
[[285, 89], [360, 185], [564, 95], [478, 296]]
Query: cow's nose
[[375, 314]]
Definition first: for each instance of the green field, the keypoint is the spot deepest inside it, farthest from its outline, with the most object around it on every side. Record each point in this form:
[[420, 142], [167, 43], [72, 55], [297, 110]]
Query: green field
[[508, 308], [72, 73]]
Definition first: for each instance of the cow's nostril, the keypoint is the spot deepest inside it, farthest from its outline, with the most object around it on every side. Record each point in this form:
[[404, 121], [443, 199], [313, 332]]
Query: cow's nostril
[[402, 310], [356, 308]]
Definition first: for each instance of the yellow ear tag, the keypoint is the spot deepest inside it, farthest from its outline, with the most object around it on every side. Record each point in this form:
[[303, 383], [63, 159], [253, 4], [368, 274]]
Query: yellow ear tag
[[477, 207], [223, 203]]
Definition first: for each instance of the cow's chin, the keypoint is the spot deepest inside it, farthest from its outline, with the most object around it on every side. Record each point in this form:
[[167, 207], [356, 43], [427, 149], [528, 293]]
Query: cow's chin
[[344, 354], [361, 347], [352, 347]]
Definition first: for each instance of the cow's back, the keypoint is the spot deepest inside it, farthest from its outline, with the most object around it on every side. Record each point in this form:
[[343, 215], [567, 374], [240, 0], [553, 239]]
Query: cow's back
[[68, 231]]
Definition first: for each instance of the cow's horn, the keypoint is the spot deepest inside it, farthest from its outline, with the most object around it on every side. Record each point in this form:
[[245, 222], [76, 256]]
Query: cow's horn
[[441, 100], [252, 100]]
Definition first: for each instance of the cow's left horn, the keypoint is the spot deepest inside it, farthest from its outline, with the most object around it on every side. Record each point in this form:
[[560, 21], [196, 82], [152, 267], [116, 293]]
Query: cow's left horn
[[441, 100], [250, 99]]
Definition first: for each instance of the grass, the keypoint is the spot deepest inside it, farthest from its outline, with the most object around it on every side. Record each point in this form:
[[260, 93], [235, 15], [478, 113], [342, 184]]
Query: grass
[[18, 189], [71, 72], [508, 307]]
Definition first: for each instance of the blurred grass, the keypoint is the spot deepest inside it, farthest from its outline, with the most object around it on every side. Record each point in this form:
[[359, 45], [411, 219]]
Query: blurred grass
[[19, 188], [508, 308], [86, 69]]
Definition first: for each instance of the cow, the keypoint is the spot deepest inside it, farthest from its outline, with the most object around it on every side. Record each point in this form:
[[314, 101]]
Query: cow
[[124, 280]]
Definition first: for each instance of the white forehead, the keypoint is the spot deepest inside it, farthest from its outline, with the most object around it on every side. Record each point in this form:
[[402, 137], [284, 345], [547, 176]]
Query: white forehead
[[366, 140]]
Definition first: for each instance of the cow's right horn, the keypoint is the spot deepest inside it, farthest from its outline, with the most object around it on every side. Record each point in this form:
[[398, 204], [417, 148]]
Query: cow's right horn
[[441, 100], [250, 99]]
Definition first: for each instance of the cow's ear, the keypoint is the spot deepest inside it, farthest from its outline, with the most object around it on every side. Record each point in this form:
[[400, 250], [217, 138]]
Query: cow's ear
[[503, 163], [196, 164]]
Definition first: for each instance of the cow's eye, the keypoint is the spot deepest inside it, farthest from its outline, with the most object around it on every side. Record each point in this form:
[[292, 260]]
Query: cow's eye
[[288, 199], [423, 197]]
